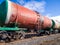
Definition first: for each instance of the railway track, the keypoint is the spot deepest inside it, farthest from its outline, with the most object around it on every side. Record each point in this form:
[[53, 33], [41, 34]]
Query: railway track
[[34, 40]]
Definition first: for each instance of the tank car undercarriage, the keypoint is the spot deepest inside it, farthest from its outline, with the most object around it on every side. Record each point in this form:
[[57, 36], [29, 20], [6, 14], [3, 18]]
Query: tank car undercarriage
[[9, 36]]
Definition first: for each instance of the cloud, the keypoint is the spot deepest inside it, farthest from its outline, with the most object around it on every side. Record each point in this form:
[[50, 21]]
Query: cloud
[[21, 2], [37, 6], [33, 5], [56, 18], [48, 15]]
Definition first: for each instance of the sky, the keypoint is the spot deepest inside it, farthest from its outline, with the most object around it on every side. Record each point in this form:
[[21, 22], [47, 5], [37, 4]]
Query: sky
[[49, 8]]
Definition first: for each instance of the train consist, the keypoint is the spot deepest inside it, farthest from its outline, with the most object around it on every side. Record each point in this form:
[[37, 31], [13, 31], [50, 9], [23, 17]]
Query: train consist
[[16, 20]]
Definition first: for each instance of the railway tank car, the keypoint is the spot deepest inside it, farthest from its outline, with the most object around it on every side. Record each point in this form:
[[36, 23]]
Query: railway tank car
[[56, 26], [15, 20], [19, 15], [13, 17], [50, 25], [47, 25]]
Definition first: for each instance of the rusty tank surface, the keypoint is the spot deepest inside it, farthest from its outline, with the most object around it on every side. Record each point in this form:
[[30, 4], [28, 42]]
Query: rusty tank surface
[[16, 21], [22, 16], [47, 23]]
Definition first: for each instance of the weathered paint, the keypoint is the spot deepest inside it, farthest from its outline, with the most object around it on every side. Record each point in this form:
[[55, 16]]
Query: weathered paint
[[3, 11], [23, 16], [53, 24], [47, 22], [9, 28], [12, 29], [9, 12], [57, 26], [13, 13]]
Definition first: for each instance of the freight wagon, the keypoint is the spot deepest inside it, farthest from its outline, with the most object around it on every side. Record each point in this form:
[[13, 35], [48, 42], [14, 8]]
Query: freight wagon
[[16, 20]]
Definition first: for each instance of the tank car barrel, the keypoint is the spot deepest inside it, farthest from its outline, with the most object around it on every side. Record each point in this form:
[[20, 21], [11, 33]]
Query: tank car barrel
[[23, 17], [13, 17]]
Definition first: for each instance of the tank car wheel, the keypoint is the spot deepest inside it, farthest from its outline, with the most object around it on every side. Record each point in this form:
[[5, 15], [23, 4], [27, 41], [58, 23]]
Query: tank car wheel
[[38, 33], [55, 31], [47, 33], [20, 35], [11, 35], [5, 37], [7, 40]]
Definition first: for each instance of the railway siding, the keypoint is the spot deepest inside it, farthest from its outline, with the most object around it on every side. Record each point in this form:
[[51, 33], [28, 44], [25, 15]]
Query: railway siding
[[35, 40]]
